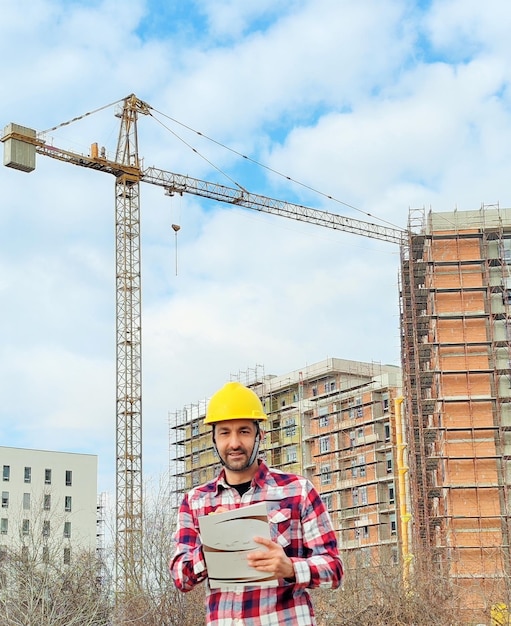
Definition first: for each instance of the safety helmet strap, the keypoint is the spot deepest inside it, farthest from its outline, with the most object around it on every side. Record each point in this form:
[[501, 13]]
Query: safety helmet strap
[[253, 454]]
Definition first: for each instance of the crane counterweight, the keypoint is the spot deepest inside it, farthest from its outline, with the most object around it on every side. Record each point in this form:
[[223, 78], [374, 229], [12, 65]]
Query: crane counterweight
[[18, 152]]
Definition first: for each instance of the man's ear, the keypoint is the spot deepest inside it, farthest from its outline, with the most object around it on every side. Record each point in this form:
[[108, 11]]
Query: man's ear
[[262, 433]]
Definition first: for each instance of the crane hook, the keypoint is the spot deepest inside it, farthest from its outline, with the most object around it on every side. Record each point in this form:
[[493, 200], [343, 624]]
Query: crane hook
[[176, 228]]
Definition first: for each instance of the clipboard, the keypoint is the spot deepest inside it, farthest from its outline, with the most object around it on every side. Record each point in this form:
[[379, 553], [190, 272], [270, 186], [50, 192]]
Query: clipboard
[[227, 538]]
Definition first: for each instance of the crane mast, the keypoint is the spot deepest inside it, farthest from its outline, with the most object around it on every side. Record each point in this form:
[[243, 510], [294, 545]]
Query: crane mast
[[128, 544], [21, 146]]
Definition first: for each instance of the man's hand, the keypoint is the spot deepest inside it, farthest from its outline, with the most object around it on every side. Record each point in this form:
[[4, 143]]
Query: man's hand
[[219, 509], [274, 560]]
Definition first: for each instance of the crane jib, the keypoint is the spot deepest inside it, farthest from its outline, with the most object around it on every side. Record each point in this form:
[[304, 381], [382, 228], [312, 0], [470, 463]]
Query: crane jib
[[16, 137]]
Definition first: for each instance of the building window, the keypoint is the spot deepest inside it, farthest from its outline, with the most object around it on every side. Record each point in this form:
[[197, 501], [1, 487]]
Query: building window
[[290, 427], [393, 526], [324, 444], [46, 528], [363, 495], [385, 401], [323, 416], [69, 478], [360, 433], [4, 526], [46, 555], [326, 475], [47, 502], [386, 427], [67, 556], [25, 527], [28, 475], [354, 496], [327, 500], [24, 554], [47, 476], [392, 496], [67, 530], [67, 504], [506, 251], [291, 454], [388, 461], [195, 429], [362, 464], [354, 468], [5, 499], [6, 474], [352, 439], [195, 458], [26, 502], [365, 532]]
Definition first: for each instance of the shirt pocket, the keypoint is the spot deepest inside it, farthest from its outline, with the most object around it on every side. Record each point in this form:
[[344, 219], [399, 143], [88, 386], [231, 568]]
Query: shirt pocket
[[280, 526]]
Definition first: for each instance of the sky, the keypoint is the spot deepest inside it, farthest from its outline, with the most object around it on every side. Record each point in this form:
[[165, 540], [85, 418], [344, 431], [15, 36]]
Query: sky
[[384, 106]]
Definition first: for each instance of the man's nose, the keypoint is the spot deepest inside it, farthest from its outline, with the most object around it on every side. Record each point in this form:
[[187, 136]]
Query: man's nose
[[234, 440]]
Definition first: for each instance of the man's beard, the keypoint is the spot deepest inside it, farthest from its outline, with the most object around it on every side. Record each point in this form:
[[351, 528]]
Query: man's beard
[[239, 463]]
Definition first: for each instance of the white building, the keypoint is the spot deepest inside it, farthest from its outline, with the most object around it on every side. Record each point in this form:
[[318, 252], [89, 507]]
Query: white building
[[48, 501]]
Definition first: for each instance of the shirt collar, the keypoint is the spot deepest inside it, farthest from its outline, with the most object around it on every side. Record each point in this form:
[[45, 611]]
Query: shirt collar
[[260, 478]]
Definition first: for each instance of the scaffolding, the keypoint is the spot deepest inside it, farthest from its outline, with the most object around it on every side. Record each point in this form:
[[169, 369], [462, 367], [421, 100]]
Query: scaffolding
[[102, 570], [333, 422], [455, 318]]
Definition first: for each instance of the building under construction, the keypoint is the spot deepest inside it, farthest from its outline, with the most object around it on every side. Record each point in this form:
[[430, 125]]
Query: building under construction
[[345, 425], [456, 332], [333, 423]]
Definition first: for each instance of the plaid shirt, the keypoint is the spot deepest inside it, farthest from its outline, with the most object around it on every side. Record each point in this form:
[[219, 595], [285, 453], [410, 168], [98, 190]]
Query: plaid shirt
[[299, 522]]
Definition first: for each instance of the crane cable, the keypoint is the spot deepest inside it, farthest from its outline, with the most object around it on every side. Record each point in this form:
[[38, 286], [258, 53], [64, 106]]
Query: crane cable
[[218, 143], [266, 167], [80, 117], [196, 151]]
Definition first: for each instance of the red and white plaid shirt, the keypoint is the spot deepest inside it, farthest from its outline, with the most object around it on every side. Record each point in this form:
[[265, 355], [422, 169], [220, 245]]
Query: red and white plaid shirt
[[299, 522]]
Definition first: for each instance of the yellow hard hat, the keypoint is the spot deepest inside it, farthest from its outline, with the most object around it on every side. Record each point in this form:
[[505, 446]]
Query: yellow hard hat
[[234, 402]]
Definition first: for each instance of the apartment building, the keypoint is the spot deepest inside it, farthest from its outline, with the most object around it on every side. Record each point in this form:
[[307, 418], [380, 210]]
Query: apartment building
[[456, 339], [48, 502], [333, 423]]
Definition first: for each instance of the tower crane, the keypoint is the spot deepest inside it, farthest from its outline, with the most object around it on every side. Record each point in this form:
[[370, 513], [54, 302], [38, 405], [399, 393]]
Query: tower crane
[[21, 146]]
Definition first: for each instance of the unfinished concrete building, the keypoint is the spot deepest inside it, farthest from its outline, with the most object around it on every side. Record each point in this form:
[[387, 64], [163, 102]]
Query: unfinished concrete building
[[456, 339], [332, 422]]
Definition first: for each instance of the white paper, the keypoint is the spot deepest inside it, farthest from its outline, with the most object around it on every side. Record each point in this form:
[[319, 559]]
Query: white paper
[[226, 540]]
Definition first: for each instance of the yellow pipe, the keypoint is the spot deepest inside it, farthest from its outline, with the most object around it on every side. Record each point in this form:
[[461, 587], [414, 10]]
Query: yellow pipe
[[402, 470]]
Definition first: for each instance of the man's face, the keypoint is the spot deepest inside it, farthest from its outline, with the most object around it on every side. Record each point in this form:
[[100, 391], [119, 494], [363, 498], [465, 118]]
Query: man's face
[[235, 441]]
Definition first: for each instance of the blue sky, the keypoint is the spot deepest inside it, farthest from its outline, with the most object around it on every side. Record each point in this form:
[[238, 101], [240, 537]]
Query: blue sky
[[384, 105]]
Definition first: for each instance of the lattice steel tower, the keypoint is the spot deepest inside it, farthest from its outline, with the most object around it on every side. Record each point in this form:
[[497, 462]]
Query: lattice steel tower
[[128, 562]]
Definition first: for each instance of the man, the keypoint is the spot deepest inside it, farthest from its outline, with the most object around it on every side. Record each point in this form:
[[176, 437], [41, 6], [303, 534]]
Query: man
[[303, 550]]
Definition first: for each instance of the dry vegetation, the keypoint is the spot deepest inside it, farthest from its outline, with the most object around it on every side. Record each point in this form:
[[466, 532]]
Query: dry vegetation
[[46, 592]]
